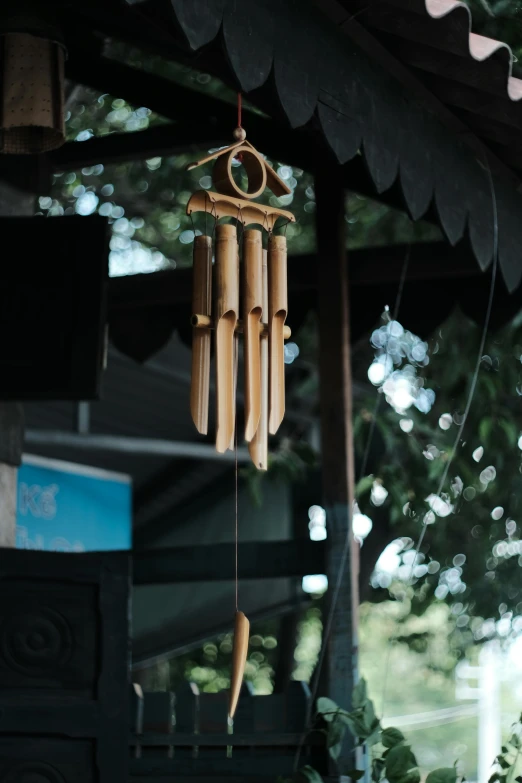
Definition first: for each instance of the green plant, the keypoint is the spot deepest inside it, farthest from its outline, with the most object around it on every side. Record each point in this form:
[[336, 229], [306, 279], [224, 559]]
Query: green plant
[[391, 756], [508, 761]]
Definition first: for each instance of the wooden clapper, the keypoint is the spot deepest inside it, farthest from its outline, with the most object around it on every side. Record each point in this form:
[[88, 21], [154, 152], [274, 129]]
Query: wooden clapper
[[249, 297]]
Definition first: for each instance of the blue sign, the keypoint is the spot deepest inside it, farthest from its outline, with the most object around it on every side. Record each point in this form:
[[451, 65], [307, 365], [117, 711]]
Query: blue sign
[[63, 507]]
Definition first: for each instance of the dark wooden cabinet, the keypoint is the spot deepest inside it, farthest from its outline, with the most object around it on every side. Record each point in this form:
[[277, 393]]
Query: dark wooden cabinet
[[64, 667]]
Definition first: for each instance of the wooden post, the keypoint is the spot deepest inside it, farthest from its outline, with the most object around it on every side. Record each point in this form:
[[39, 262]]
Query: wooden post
[[11, 445], [7, 505], [337, 442], [12, 202]]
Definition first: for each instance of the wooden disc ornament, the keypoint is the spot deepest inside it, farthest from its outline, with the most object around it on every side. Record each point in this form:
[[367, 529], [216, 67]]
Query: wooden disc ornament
[[254, 166]]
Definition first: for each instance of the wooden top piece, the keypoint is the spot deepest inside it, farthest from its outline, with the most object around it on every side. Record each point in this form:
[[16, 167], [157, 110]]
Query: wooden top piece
[[246, 212]]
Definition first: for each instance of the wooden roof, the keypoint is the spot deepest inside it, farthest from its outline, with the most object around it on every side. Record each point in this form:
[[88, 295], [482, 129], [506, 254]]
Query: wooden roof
[[469, 73], [416, 112], [325, 70]]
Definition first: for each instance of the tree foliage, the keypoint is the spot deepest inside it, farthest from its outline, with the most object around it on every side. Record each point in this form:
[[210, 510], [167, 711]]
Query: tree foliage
[[391, 756]]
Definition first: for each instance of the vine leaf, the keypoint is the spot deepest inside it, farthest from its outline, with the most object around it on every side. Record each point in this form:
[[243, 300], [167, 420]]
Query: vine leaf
[[413, 776], [310, 774], [391, 737], [356, 724], [327, 708], [360, 695], [370, 718], [442, 775], [399, 762], [334, 738]]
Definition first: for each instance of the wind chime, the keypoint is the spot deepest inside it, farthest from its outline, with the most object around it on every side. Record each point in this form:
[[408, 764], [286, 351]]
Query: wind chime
[[232, 298]]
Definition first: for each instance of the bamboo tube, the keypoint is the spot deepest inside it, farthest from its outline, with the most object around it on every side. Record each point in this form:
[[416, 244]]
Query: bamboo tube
[[277, 312], [239, 656], [227, 305], [232, 444], [201, 338], [258, 447], [252, 312], [200, 321]]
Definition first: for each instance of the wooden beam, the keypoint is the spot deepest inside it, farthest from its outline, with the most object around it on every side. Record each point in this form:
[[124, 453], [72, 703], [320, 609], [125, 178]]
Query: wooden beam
[[158, 141], [296, 147], [121, 444], [368, 267], [337, 446], [163, 96], [258, 740], [266, 560]]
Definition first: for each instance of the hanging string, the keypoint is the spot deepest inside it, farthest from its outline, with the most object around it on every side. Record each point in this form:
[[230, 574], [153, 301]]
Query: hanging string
[[236, 533], [241, 227], [239, 156]]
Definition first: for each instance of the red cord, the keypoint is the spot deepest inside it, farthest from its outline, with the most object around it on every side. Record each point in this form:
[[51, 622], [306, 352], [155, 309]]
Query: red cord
[[239, 157]]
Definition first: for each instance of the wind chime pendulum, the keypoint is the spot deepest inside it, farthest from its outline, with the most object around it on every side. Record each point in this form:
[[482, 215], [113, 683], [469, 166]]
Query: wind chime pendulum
[[259, 314]]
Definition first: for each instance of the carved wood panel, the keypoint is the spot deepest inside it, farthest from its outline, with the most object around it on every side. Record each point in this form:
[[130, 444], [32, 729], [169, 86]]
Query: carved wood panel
[[64, 662]]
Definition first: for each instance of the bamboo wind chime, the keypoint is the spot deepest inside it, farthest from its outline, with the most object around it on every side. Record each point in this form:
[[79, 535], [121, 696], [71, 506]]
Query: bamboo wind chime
[[259, 314]]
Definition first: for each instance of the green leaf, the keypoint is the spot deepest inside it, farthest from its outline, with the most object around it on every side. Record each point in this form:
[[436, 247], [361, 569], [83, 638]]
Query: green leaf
[[442, 775], [370, 717], [364, 485], [485, 427], [310, 774], [399, 761], [413, 776], [327, 708], [355, 723], [334, 737], [360, 695], [375, 736], [377, 771], [335, 750], [391, 737]]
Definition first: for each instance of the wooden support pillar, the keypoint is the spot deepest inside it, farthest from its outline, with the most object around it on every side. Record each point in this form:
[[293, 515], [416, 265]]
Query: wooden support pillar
[[287, 642], [337, 442]]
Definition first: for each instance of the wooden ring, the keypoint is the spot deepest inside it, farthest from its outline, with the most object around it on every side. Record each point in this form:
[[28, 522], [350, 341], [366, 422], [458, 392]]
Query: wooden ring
[[254, 166]]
